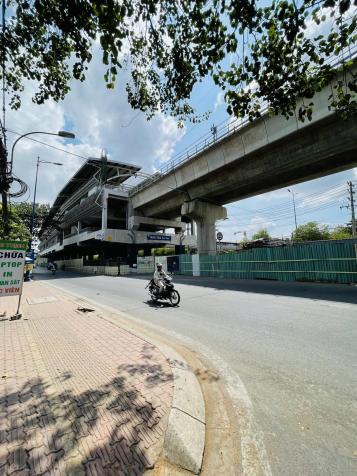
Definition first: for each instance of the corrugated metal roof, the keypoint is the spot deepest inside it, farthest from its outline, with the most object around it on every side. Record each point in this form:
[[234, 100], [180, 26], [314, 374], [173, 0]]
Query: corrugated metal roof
[[83, 175]]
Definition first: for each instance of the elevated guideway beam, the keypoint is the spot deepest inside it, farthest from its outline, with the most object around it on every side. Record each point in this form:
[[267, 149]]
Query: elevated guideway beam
[[262, 156]]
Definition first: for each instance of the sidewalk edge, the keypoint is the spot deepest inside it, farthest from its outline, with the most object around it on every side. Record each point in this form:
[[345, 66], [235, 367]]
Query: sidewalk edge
[[184, 440]]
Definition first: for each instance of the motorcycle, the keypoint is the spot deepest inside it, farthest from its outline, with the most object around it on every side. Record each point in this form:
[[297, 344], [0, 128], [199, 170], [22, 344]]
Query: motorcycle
[[169, 291], [52, 268]]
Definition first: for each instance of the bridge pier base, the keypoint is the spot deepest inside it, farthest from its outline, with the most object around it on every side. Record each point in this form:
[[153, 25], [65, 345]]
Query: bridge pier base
[[205, 215]]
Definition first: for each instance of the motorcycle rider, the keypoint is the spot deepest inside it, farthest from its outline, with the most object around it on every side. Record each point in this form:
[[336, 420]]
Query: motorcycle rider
[[51, 267], [159, 277]]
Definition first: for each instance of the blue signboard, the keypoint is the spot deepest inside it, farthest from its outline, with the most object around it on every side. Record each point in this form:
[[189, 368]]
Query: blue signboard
[[31, 254], [159, 237]]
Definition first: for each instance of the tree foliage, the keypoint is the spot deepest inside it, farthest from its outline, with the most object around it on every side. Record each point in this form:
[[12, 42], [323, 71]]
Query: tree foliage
[[311, 231], [262, 233], [341, 233], [24, 211], [164, 251], [17, 228], [255, 53], [20, 220]]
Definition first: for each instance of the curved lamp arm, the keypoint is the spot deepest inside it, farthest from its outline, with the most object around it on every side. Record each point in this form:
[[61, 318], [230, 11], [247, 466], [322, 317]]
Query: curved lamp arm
[[69, 135]]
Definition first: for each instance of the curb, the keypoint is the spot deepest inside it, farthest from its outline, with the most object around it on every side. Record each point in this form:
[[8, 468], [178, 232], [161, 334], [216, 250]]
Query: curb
[[184, 441]]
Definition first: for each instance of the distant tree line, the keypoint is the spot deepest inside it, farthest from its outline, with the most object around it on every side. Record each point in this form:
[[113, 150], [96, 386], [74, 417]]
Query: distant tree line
[[312, 231]]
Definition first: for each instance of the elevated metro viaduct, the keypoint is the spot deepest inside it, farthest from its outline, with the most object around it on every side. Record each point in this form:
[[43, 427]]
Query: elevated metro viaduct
[[257, 157]]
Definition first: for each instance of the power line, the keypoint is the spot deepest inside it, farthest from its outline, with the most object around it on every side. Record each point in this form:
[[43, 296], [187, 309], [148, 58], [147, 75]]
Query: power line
[[131, 120], [288, 214], [49, 145], [308, 212], [286, 204], [284, 213]]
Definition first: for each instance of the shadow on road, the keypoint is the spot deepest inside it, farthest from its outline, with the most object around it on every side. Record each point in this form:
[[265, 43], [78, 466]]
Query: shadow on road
[[316, 291], [159, 304]]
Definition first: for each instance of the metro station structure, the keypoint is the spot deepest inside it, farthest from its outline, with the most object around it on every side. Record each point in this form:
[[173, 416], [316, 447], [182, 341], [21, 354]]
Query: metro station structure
[[93, 215]]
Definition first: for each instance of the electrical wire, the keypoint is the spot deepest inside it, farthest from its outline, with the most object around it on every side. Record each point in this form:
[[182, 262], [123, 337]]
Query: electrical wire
[[329, 193], [287, 213], [48, 145], [285, 218], [23, 187], [284, 212], [131, 121]]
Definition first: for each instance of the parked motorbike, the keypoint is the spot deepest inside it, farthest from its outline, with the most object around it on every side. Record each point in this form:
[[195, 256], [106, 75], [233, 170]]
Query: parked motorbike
[[169, 291]]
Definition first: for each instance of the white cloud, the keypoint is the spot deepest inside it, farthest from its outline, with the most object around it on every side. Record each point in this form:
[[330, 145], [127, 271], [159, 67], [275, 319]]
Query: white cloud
[[234, 227], [101, 119], [219, 100], [281, 194]]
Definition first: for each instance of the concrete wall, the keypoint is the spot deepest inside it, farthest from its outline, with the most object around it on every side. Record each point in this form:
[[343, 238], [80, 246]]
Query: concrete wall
[[70, 263], [124, 236], [145, 264], [76, 265]]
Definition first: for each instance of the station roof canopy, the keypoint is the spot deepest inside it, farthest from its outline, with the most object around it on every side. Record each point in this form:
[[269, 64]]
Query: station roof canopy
[[107, 171]]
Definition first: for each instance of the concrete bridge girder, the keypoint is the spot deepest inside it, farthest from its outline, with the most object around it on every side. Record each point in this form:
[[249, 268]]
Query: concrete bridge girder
[[205, 215], [322, 148], [261, 156]]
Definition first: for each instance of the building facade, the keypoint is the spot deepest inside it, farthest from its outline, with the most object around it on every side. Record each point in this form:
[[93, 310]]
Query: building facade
[[93, 217]]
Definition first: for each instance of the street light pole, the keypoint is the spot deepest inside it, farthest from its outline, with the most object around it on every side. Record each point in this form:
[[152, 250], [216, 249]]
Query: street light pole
[[293, 194], [32, 224], [68, 135], [7, 172], [236, 233], [34, 204]]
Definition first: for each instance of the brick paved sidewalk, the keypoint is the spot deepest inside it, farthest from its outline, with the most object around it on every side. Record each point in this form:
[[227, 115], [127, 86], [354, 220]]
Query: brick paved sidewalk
[[78, 395]]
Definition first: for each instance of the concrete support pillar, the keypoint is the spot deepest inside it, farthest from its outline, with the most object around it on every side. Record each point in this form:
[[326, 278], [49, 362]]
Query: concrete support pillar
[[104, 210], [179, 250], [132, 254], [205, 215]]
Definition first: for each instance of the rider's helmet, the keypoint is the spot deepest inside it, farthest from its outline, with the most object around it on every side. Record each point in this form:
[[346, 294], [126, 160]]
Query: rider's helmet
[[159, 266]]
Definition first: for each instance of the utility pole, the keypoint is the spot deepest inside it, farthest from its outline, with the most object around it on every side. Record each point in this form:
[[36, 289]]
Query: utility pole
[[4, 179], [352, 205], [32, 224], [4, 188], [293, 195]]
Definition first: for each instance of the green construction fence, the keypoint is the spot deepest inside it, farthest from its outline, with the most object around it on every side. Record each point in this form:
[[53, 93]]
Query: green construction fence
[[329, 261]]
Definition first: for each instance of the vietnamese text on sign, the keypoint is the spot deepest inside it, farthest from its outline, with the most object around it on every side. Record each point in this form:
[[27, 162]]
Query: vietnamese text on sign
[[12, 261], [159, 237]]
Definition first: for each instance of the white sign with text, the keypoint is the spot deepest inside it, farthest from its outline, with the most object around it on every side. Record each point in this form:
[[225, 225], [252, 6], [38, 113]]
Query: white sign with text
[[12, 263]]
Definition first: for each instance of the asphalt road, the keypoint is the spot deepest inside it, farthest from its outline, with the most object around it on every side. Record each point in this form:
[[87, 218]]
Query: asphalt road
[[292, 346]]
